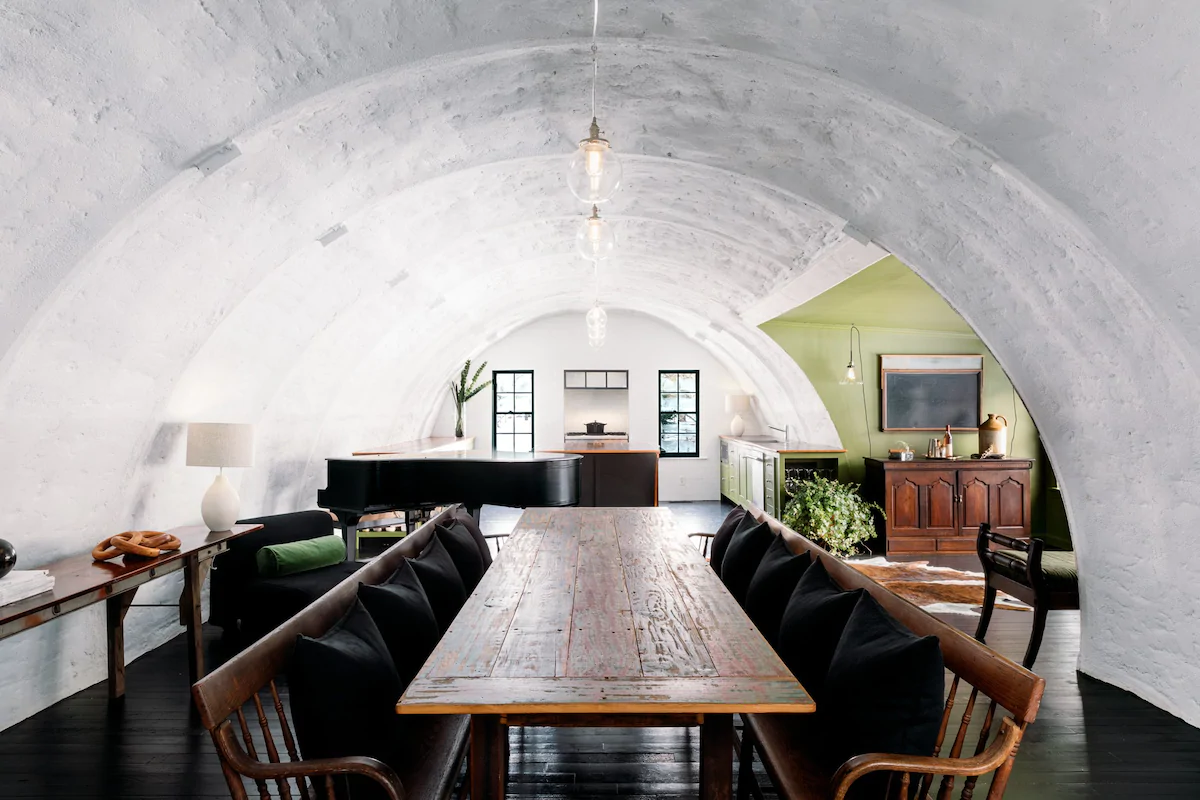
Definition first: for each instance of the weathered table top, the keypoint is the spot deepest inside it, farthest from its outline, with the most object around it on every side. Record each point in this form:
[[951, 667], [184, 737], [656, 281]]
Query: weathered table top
[[602, 611]]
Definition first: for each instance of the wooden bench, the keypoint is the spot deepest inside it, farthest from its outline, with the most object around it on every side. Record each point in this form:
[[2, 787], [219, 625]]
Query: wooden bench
[[1007, 694], [246, 687], [1048, 580]]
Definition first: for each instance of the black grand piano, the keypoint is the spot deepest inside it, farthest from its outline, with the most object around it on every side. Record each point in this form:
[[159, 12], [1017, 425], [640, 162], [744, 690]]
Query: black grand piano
[[373, 484]]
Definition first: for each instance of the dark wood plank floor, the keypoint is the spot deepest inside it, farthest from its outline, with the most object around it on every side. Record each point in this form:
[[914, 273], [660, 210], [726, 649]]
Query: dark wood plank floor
[[1090, 741]]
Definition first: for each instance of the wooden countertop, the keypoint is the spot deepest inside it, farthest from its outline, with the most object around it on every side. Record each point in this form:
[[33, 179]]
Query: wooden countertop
[[433, 444], [776, 446], [585, 448]]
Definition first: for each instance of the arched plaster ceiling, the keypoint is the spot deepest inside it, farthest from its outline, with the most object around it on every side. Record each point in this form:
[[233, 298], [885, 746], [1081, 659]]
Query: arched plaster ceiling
[[137, 294]]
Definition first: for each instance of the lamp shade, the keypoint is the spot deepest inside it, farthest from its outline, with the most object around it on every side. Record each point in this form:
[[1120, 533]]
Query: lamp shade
[[220, 444], [737, 402]]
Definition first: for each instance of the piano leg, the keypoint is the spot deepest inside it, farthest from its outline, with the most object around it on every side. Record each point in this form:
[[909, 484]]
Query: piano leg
[[474, 511], [349, 523]]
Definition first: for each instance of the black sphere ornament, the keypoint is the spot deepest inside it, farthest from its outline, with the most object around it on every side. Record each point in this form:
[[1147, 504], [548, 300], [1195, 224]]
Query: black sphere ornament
[[8, 557]]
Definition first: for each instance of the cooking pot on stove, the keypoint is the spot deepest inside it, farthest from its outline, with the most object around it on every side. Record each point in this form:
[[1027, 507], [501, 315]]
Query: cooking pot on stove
[[595, 428]]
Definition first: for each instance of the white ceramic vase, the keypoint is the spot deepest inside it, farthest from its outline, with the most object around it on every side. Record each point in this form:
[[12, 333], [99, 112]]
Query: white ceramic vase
[[221, 505], [737, 426]]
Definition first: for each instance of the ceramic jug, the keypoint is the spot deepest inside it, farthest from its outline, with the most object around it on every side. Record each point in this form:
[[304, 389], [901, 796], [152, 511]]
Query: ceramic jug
[[993, 431]]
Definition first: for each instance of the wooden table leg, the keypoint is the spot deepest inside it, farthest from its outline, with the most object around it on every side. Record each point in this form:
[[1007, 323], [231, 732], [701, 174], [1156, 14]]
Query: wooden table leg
[[716, 757], [488, 771], [116, 608], [189, 604]]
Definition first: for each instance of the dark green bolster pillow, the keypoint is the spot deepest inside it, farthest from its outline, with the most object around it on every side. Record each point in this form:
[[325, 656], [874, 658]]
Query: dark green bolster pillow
[[292, 557]]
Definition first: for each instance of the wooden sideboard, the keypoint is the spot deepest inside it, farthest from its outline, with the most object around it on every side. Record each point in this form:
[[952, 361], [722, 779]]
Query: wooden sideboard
[[937, 506]]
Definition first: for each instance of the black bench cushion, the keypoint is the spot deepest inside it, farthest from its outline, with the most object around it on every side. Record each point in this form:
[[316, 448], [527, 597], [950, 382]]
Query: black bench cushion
[[464, 518], [428, 764], [343, 689], [405, 619], [1058, 567], [441, 582], [811, 626], [885, 691], [746, 548], [463, 552], [772, 585], [269, 602], [720, 542]]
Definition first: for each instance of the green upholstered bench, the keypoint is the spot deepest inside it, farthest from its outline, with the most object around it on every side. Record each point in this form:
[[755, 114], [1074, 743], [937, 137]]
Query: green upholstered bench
[[1048, 580]]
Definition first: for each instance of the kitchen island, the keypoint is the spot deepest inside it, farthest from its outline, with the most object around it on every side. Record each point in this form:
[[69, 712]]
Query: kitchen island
[[615, 473], [756, 468]]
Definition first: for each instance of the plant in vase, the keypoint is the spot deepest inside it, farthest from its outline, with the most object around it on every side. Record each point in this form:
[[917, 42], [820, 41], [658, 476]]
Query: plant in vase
[[832, 513], [464, 390]]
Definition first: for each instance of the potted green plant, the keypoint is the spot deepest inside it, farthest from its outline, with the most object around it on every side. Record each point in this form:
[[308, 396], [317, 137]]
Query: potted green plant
[[464, 390], [832, 513]]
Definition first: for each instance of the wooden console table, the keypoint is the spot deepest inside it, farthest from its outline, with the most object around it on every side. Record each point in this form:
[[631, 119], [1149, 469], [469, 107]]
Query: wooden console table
[[79, 582], [601, 617]]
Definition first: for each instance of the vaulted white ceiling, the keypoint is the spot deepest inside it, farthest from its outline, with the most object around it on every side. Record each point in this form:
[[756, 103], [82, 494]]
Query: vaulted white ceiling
[[1035, 162]]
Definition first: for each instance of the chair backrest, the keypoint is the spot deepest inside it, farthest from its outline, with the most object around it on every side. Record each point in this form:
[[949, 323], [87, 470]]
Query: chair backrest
[[247, 681], [985, 672]]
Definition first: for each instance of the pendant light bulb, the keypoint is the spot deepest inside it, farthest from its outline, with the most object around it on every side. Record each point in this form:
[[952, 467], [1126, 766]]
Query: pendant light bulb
[[597, 318], [853, 376], [595, 239], [594, 173]]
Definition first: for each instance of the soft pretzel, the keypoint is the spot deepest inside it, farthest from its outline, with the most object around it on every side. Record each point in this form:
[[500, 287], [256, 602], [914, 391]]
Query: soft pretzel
[[105, 551]]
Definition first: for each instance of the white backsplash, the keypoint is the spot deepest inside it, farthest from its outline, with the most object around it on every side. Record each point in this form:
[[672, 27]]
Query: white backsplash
[[581, 406]]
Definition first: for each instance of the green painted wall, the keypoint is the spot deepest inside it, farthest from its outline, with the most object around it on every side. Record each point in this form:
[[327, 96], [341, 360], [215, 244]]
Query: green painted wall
[[821, 350]]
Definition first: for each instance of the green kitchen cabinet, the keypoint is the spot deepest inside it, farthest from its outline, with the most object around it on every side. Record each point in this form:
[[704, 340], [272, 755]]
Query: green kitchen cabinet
[[757, 471]]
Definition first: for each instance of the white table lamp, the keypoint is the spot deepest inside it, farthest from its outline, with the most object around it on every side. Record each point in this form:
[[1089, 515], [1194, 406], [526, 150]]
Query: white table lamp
[[737, 403], [220, 444]]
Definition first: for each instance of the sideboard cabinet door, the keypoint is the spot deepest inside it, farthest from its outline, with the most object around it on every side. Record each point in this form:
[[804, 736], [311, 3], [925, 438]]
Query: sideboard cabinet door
[[1000, 498], [921, 508]]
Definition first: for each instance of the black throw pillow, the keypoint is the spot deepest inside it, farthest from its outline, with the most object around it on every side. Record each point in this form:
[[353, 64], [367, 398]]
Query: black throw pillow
[[463, 552], [720, 542], [405, 620], [464, 518], [343, 689], [772, 585], [746, 549], [441, 582], [885, 691], [811, 626]]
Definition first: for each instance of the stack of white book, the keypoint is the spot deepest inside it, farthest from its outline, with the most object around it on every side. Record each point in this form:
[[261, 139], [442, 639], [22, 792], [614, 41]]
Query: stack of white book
[[20, 584]]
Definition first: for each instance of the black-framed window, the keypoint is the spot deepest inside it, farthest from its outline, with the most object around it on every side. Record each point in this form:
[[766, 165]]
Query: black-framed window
[[679, 413], [512, 411]]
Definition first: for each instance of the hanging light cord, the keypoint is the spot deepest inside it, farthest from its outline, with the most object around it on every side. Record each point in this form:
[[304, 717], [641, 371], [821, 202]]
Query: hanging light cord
[[863, 383], [595, 63]]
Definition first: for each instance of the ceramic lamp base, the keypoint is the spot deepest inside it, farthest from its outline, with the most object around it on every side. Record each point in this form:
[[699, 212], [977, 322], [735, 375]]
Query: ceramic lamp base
[[737, 426], [221, 505]]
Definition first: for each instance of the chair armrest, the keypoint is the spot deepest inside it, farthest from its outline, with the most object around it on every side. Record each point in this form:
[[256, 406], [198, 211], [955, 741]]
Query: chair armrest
[[987, 535], [990, 759], [256, 770], [702, 535]]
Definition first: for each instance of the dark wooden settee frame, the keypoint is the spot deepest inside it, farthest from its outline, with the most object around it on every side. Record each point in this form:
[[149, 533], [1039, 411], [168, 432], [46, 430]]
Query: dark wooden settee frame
[[245, 684], [1035, 589], [992, 679]]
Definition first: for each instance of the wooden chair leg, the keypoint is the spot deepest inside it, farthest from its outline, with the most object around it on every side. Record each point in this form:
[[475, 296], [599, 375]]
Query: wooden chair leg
[[1035, 638], [985, 615]]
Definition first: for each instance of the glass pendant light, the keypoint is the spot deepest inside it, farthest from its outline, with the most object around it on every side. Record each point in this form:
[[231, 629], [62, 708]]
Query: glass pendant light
[[595, 239], [853, 375], [594, 172]]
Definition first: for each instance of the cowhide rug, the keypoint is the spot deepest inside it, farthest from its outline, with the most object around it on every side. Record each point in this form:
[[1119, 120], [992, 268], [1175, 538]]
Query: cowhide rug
[[938, 590]]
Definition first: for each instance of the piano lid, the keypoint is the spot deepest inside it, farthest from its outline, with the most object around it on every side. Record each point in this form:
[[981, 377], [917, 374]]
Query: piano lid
[[459, 455]]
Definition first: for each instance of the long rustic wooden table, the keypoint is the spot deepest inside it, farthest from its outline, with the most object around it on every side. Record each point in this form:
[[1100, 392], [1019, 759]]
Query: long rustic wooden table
[[79, 581], [601, 617]]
